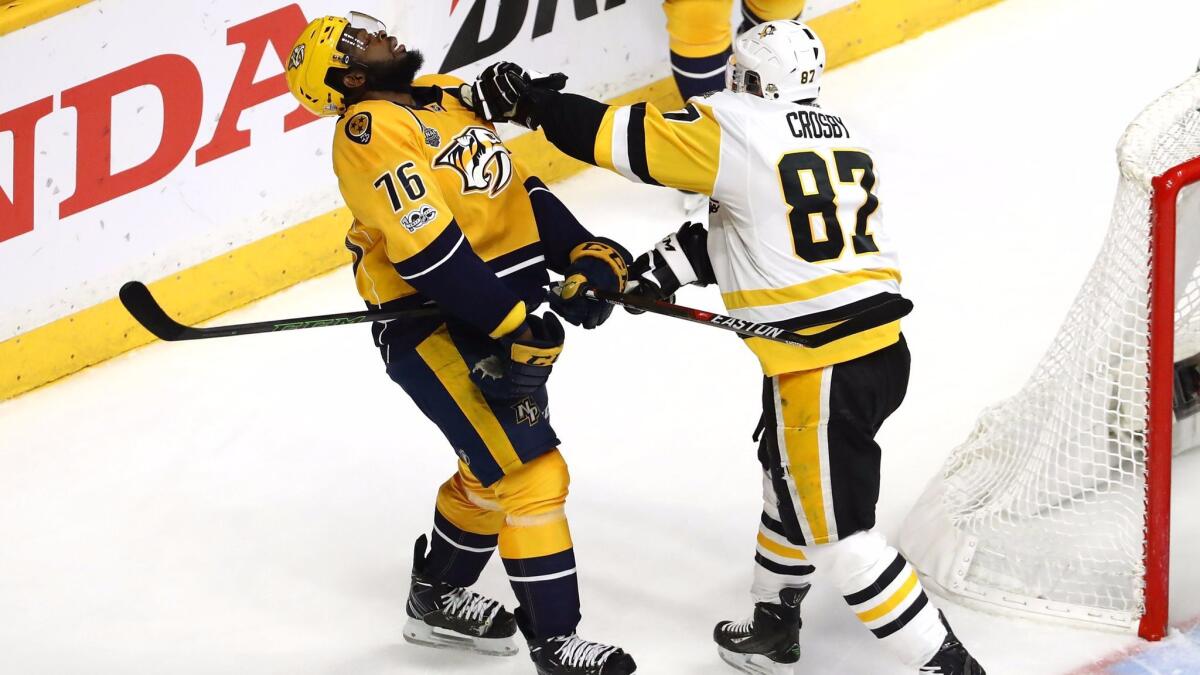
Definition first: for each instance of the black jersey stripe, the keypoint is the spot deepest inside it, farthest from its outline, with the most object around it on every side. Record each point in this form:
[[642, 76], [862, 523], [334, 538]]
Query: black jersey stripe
[[636, 141]]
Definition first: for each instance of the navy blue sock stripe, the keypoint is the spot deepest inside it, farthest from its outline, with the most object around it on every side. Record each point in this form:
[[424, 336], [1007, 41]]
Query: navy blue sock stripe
[[889, 575], [700, 75], [701, 65], [550, 607], [455, 565], [749, 19]]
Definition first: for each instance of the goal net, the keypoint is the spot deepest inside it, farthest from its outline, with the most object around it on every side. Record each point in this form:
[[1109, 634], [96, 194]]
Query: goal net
[[1057, 504]]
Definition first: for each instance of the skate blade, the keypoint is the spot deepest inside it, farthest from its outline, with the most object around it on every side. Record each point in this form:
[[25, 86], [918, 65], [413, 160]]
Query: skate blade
[[420, 633], [756, 664]]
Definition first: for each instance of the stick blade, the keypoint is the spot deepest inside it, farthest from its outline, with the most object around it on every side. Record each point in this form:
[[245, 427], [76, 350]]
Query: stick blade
[[145, 309]]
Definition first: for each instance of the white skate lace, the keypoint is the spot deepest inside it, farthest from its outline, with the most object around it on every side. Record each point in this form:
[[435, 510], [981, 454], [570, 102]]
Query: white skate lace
[[470, 606], [576, 652], [743, 626]]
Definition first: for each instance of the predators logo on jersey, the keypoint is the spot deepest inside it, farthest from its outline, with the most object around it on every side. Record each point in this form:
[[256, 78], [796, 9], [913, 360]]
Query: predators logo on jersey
[[480, 159]]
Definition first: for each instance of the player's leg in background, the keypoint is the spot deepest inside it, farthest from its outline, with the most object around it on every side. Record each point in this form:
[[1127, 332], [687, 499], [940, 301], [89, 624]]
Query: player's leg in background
[[700, 38], [755, 12]]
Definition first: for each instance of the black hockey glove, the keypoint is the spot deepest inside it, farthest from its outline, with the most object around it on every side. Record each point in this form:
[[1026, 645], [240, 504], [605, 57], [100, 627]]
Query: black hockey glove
[[526, 357], [603, 264], [506, 92], [681, 258]]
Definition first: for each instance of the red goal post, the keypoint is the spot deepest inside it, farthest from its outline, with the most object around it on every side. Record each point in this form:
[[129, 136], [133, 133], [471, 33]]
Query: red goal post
[[1165, 190]]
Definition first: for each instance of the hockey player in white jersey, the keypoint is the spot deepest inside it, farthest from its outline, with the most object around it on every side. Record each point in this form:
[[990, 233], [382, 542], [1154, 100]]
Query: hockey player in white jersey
[[796, 235]]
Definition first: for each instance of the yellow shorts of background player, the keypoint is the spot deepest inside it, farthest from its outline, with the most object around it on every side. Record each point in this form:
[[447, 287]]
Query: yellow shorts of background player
[[701, 34]]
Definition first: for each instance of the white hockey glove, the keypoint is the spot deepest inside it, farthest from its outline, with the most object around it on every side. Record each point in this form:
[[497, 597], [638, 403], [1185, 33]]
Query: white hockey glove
[[681, 258]]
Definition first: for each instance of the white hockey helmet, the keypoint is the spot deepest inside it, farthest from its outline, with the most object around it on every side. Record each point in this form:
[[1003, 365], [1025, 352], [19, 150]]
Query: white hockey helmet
[[777, 60]]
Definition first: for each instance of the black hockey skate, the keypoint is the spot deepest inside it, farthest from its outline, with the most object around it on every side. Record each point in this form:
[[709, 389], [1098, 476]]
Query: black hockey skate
[[448, 617], [769, 642], [952, 658], [572, 655]]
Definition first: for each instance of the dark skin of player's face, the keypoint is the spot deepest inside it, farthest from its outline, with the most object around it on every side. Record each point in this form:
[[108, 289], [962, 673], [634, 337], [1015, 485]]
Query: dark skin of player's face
[[381, 49]]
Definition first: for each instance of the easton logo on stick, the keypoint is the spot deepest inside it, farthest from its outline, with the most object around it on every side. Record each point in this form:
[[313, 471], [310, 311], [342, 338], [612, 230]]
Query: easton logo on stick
[[746, 327]]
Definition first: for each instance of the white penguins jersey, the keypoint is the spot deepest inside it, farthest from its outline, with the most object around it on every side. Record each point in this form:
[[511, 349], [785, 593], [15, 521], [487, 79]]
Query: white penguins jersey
[[796, 230]]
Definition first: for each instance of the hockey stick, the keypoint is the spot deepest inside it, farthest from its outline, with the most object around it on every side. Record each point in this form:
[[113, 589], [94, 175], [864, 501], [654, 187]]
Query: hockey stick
[[873, 317], [141, 304]]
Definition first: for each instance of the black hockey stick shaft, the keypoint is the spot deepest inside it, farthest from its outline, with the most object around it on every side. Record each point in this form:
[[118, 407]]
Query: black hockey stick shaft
[[883, 313], [141, 304]]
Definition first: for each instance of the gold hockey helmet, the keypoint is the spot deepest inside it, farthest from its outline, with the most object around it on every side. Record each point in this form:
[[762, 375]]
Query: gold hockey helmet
[[325, 45]]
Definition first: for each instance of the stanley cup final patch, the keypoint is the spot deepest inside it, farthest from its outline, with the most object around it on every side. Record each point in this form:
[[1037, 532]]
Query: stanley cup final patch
[[358, 128]]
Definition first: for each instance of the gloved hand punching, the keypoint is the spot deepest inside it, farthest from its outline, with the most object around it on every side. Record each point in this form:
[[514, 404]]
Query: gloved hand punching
[[602, 264], [506, 92], [681, 258], [524, 360]]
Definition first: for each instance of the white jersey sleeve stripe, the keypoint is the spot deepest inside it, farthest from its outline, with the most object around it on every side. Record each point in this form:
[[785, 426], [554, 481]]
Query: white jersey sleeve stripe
[[620, 144]]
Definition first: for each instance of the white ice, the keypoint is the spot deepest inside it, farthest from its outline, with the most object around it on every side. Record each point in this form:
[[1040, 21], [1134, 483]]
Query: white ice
[[249, 505]]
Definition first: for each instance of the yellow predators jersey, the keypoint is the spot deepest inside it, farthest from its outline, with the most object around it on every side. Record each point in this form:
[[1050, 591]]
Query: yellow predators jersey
[[440, 209], [796, 234]]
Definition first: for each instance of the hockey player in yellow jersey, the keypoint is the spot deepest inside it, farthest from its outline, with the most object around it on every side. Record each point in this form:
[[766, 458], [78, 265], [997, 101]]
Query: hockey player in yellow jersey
[[443, 217], [796, 236]]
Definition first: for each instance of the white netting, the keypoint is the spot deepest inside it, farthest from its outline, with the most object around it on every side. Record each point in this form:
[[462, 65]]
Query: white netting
[[1045, 498]]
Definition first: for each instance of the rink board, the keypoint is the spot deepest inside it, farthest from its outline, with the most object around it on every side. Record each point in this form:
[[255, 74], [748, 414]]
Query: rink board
[[268, 237]]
